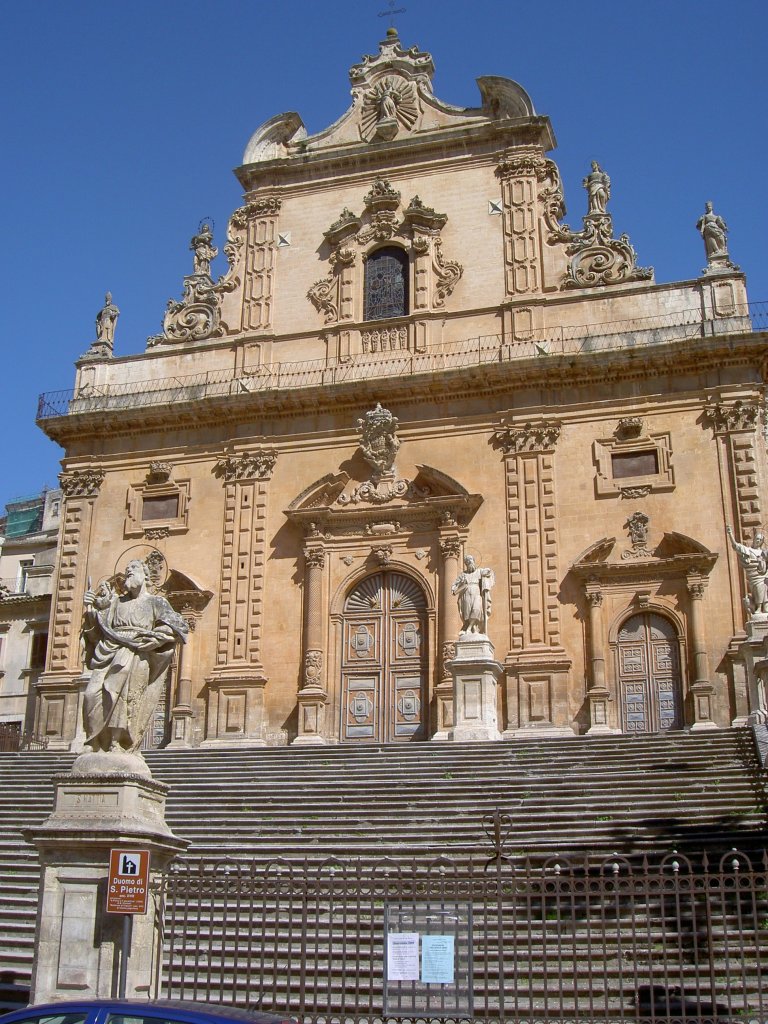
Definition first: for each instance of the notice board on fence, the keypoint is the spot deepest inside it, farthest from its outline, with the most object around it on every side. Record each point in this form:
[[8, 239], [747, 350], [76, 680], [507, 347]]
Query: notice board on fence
[[428, 959]]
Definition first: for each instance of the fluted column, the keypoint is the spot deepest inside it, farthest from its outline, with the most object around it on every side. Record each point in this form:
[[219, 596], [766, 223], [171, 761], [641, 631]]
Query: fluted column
[[181, 713], [447, 631], [701, 688], [598, 694], [313, 694]]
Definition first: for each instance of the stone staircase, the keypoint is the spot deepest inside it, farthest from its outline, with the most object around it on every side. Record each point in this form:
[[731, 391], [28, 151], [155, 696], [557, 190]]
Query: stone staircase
[[700, 791]]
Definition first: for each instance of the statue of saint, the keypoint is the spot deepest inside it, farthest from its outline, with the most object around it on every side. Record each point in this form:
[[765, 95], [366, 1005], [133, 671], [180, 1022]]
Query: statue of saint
[[106, 319], [598, 186], [473, 587], [713, 230], [204, 250], [388, 104], [129, 640], [754, 561]]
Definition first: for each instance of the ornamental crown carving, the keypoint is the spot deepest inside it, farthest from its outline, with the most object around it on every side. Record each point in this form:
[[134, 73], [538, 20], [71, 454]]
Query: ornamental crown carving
[[159, 472], [257, 465], [81, 483], [378, 438]]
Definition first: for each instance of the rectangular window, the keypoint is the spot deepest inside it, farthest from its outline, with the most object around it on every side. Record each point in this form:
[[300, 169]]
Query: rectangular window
[[624, 464], [24, 566], [38, 652], [161, 506]]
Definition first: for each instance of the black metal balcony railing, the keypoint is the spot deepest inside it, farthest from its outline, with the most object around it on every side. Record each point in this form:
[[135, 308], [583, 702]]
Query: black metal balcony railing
[[681, 326]]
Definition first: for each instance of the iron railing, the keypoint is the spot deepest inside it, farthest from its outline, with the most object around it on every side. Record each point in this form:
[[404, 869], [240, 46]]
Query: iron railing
[[13, 738], [594, 939], [486, 350]]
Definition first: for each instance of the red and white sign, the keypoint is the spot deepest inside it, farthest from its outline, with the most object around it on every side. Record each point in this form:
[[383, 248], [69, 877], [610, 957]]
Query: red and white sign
[[128, 885]]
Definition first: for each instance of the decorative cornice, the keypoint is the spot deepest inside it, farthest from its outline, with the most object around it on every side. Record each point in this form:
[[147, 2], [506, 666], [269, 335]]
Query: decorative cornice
[[527, 437], [257, 465], [81, 483]]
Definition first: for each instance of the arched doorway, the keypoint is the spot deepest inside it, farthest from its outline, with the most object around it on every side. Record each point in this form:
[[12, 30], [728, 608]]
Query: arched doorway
[[384, 660], [650, 684]]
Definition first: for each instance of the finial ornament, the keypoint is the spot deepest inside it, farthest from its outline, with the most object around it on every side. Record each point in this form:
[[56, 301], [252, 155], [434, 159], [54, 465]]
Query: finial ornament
[[714, 231]]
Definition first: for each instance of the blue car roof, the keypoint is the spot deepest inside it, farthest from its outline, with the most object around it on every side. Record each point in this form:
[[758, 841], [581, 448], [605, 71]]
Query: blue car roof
[[158, 1007]]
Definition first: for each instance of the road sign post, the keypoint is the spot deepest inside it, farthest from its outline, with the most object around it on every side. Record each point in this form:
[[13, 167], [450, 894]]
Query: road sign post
[[127, 894]]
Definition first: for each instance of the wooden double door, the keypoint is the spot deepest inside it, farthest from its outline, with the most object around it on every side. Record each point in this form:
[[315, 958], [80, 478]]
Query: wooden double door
[[385, 661], [649, 674]]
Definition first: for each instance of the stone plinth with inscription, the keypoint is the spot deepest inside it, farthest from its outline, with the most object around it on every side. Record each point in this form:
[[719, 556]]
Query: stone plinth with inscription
[[475, 674], [78, 944], [753, 654]]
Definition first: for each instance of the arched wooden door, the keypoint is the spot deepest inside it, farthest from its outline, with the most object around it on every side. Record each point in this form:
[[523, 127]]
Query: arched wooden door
[[384, 661], [649, 674]]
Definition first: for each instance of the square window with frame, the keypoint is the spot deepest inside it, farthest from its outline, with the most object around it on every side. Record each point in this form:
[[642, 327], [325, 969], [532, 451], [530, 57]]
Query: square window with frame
[[625, 465], [152, 505]]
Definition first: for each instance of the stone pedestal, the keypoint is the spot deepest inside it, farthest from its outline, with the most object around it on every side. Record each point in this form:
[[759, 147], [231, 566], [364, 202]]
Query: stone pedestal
[[311, 701], [753, 653], [475, 674], [108, 801]]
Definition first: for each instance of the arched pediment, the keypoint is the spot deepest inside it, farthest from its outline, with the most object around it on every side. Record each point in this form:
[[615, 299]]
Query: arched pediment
[[675, 555], [336, 502], [321, 493]]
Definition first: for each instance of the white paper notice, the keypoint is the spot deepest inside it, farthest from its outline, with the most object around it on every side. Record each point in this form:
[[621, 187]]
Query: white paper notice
[[437, 959], [403, 956]]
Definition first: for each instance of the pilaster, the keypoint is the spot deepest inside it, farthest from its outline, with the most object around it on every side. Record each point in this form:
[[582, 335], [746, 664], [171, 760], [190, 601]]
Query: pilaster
[[260, 215], [537, 667], [520, 173], [58, 689], [236, 685]]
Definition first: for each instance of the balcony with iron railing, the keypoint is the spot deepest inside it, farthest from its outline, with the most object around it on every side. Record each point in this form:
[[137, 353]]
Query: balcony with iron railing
[[547, 343]]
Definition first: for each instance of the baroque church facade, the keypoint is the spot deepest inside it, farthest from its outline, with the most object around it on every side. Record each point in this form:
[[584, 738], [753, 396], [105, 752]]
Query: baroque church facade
[[412, 358]]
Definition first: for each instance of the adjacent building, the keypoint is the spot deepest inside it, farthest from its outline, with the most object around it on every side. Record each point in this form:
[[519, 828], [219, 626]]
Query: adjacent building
[[409, 359], [28, 546]]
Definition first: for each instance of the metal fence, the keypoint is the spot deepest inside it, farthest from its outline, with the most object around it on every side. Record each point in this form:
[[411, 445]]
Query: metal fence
[[551, 342], [563, 939], [13, 738]]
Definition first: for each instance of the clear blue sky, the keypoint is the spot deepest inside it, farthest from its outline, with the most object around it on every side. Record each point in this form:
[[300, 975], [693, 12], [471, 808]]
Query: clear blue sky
[[121, 123]]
